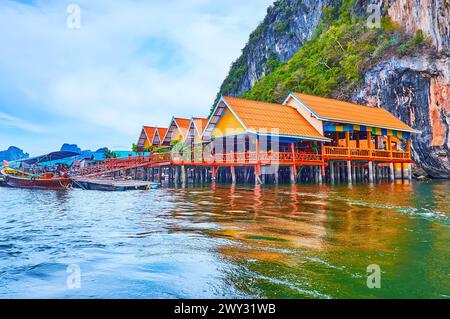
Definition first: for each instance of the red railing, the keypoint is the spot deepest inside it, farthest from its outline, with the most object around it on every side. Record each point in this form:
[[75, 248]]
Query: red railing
[[331, 152], [264, 158]]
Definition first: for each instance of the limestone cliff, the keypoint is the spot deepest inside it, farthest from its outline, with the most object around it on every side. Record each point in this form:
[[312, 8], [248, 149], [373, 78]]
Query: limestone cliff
[[414, 85]]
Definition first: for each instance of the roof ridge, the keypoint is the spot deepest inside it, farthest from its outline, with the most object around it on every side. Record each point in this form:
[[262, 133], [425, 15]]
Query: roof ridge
[[337, 100]]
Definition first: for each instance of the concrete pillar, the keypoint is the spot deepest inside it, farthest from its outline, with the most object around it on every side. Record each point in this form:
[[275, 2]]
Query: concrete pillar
[[354, 173], [183, 175], [319, 175], [371, 172], [233, 174], [177, 174], [398, 171], [406, 171], [292, 174], [349, 171], [391, 172], [331, 164]]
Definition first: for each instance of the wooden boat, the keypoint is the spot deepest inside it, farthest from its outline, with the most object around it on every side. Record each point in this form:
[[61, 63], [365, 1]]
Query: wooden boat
[[20, 179]]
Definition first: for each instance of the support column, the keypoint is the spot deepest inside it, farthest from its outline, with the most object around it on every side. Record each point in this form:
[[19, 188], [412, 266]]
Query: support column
[[371, 172], [354, 173], [233, 174], [319, 175], [349, 171], [398, 171], [293, 173], [258, 179], [183, 175], [331, 164], [391, 172]]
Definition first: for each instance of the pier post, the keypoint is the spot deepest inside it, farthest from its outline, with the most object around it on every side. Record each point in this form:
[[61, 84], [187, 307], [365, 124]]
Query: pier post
[[349, 171], [276, 175], [258, 179], [406, 171], [370, 172], [398, 171], [319, 175], [183, 175], [354, 173], [391, 172], [177, 174], [331, 172], [292, 174], [233, 174]]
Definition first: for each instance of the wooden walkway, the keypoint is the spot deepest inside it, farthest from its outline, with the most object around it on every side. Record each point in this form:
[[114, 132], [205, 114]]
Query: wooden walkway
[[113, 185]]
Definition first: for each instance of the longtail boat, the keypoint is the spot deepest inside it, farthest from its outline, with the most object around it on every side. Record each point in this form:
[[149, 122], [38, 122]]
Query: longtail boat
[[19, 179]]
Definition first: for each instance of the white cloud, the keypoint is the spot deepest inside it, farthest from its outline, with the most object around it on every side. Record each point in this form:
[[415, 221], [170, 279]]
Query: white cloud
[[132, 62], [7, 120]]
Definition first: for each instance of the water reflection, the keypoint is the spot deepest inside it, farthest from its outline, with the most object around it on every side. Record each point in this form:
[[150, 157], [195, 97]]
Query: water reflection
[[301, 241]]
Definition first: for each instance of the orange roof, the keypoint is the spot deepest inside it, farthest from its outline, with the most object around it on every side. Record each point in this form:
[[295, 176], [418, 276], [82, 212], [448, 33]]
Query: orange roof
[[340, 111], [183, 124], [200, 124], [262, 117], [162, 132], [150, 132]]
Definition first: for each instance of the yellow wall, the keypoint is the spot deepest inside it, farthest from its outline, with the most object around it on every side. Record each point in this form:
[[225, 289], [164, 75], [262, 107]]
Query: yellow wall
[[177, 136], [228, 125], [197, 139]]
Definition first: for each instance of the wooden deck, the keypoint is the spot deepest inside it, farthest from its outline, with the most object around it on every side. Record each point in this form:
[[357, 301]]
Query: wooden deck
[[259, 159], [112, 185]]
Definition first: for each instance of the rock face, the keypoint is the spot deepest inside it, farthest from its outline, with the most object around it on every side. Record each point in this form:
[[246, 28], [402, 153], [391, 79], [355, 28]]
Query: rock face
[[287, 26], [13, 153], [414, 88], [417, 90], [430, 16]]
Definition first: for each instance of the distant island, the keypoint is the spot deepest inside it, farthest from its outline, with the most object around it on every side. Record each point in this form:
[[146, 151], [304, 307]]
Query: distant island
[[13, 153]]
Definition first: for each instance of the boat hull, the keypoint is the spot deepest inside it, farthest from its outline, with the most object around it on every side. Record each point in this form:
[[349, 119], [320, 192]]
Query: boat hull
[[45, 184]]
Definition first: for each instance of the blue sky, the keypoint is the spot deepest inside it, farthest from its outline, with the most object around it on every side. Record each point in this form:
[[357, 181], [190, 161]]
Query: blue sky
[[132, 62]]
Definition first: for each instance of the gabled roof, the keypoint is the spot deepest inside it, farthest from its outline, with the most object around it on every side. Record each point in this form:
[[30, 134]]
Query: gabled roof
[[147, 134], [332, 110], [265, 119], [161, 132], [196, 128], [182, 124], [200, 124]]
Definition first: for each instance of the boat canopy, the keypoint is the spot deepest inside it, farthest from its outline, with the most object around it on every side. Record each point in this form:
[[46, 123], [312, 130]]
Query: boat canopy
[[54, 156]]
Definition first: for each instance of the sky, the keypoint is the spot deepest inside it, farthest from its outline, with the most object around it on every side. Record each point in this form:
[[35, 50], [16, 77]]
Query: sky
[[96, 77]]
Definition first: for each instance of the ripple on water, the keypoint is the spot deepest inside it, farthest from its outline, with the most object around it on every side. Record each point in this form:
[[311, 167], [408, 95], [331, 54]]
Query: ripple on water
[[304, 241]]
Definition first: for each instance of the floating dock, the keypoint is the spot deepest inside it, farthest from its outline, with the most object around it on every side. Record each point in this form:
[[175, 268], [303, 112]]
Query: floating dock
[[113, 185]]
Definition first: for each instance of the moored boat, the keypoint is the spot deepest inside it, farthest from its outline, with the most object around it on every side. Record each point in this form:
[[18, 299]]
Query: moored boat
[[19, 179]]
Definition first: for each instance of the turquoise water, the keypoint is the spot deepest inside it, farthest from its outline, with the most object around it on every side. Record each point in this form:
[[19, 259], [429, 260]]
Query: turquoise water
[[303, 241]]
